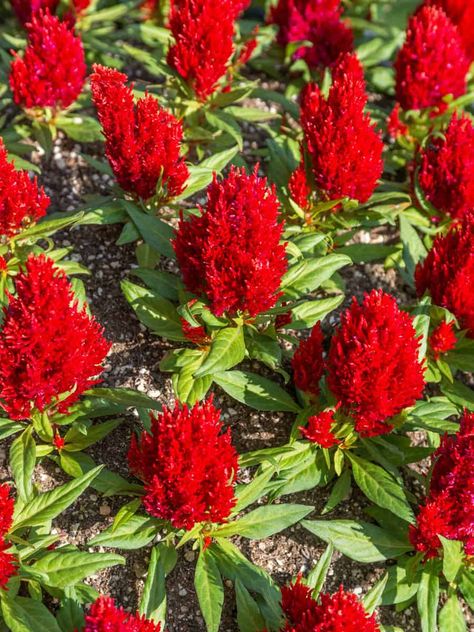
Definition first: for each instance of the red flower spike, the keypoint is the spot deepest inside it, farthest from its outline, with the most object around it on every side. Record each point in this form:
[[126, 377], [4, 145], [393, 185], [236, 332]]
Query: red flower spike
[[197, 335], [183, 441], [52, 71], [443, 339], [315, 21], [461, 13], [58, 441], [432, 63], [80, 6], [142, 140], [203, 31], [22, 202], [231, 252], [447, 273], [344, 149], [319, 429], [395, 126], [105, 616], [48, 345], [446, 172], [8, 564], [26, 9], [373, 365], [308, 363], [299, 188]]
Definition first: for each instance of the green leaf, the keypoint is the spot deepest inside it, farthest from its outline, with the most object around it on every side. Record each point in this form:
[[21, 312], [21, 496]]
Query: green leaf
[[227, 350], [413, 249], [154, 231], [76, 440], [162, 283], [131, 534], [459, 393], [153, 602], [374, 597], [22, 463], [125, 396], [453, 558], [400, 586], [309, 313], [209, 590], [249, 618], [249, 493], [66, 568], [25, 615], [317, 576], [339, 492], [366, 253], [359, 540], [9, 427], [83, 129], [70, 616], [451, 617], [265, 521], [188, 388], [427, 599], [380, 487], [256, 391], [308, 275], [467, 586]]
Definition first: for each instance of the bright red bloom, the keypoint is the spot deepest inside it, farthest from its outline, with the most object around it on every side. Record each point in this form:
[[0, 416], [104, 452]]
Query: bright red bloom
[[461, 13], [48, 345], [52, 71], [188, 466], [142, 140], [319, 429], [308, 363], [449, 508], [80, 6], [8, 564], [446, 172], [299, 188], [26, 9], [231, 252], [432, 63], [58, 441], [22, 201], [345, 150], [447, 273], [104, 616], [395, 126], [443, 339], [373, 364], [315, 21], [203, 31], [197, 335]]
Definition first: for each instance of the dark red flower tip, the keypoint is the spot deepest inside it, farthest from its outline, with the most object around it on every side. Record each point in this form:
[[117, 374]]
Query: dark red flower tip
[[195, 334], [49, 346], [315, 21], [446, 173], [443, 339], [449, 509], [373, 364], [308, 362], [320, 429], [22, 201], [461, 13], [58, 441], [344, 149], [395, 126], [299, 188], [203, 31], [8, 562], [26, 9], [447, 273], [105, 616], [432, 63], [52, 71], [188, 465], [231, 253], [142, 140]]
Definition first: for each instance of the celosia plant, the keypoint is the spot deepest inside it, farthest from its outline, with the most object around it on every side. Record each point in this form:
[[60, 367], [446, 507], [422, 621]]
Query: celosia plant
[[461, 12], [447, 273], [308, 363], [26, 9], [52, 70], [443, 339], [319, 429], [231, 253], [142, 140], [8, 563], [51, 350], [105, 616]]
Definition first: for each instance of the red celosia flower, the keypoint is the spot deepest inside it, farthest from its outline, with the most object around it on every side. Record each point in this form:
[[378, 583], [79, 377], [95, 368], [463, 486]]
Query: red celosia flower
[[26, 9], [308, 363], [58, 441], [373, 365], [449, 508], [80, 6], [52, 71], [319, 429], [315, 21], [8, 565], [248, 49], [299, 188], [395, 126], [203, 31], [104, 616], [142, 140], [443, 339], [49, 347], [332, 613], [461, 13], [446, 172], [432, 63], [22, 202], [447, 273], [345, 150], [187, 464], [196, 334], [231, 253]]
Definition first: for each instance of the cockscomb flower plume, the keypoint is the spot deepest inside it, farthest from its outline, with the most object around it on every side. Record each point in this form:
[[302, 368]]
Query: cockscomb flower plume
[[344, 149], [8, 564], [447, 273], [308, 363], [320, 429], [331, 613], [142, 140], [449, 509], [188, 466], [50, 347], [52, 71], [22, 201], [443, 339], [231, 253], [26, 9], [461, 13], [203, 31], [373, 364], [315, 21], [446, 172], [432, 63], [105, 616]]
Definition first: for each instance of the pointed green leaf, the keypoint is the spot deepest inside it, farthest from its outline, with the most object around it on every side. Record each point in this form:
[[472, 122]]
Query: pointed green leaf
[[227, 350], [22, 463], [209, 590]]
